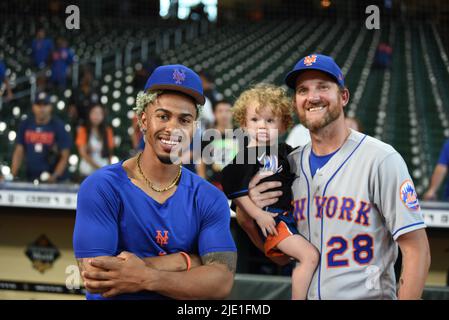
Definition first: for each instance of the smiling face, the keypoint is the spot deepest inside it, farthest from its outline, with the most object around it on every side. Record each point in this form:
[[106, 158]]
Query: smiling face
[[319, 101], [169, 124], [262, 125]]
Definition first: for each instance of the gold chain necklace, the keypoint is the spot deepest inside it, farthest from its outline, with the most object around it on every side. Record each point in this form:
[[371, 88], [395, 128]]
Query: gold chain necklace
[[150, 184]]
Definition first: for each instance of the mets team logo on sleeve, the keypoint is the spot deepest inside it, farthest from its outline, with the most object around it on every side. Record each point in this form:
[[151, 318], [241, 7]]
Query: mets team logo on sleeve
[[408, 195]]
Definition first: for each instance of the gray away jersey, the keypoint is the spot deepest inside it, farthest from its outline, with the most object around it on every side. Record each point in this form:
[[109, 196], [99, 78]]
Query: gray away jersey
[[353, 210]]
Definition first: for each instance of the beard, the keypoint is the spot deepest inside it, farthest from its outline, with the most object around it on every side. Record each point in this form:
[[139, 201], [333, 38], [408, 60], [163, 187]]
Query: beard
[[173, 158], [314, 126], [165, 159]]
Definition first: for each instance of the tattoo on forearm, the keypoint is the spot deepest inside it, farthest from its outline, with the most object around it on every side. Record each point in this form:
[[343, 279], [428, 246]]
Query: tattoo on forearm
[[81, 264], [228, 258]]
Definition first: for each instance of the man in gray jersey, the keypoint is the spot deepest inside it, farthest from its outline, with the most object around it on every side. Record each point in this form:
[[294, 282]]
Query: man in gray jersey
[[353, 197]]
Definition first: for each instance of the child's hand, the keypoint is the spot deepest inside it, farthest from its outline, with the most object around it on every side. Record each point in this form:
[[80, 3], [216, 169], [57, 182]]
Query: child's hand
[[267, 224]]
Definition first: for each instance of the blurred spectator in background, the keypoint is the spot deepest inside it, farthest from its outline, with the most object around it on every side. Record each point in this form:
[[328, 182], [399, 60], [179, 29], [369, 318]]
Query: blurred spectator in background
[[95, 141], [438, 176], [298, 136], [41, 82], [44, 143], [212, 97], [5, 89], [41, 48], [140, 77], [354, 124], [82, 98], [198, 12], [143, 71], [220, 151], [136, 136], [209, 88], [62, 58], [383, 56]]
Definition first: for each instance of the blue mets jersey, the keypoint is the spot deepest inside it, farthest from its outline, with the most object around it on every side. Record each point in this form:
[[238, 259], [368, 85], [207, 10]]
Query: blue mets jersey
[[114, 215]]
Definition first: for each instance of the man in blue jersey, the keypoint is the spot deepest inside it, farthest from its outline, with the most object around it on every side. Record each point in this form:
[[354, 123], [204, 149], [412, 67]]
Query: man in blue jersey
[[142, 223], [41, 48], [439, 173]]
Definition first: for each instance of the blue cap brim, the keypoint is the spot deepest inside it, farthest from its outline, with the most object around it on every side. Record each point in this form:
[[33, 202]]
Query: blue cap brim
[[290, 79]]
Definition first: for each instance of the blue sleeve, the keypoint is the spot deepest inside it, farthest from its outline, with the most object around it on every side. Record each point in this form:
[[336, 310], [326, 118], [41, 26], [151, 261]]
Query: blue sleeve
[[236, 178], [21, 133], [2, 71], [70, 56], [63, 138], [215, 231], [50, 45], [96, 222], [444, 155]]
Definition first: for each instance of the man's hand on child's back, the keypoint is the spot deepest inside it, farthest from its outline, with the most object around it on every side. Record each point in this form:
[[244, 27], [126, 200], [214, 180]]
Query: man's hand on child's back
[[260, 194]]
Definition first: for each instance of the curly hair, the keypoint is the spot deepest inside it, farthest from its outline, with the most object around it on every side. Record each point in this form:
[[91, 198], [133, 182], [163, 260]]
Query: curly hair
[[265, 95], [143, 100]]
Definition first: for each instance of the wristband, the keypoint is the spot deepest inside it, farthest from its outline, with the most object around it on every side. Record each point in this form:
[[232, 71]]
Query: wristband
[[186, 256]]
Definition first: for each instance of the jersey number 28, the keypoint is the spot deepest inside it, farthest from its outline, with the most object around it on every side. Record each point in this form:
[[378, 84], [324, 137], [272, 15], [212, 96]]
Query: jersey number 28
[[362, 250]]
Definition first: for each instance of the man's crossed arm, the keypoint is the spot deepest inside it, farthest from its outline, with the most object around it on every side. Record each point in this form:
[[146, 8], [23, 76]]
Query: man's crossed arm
[[210, 277]]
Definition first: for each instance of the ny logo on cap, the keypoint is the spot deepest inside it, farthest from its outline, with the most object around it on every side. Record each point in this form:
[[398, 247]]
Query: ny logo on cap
[[179, 76], [309, 60]]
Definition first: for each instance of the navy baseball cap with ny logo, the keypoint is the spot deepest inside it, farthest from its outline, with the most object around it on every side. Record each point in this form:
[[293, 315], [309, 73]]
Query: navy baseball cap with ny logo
[[318, 62], [177, 77]]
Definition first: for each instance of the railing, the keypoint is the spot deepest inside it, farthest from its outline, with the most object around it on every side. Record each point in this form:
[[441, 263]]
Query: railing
[[64, 196]]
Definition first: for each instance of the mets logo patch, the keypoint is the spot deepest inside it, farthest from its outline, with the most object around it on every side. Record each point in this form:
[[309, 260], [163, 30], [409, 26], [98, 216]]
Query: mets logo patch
[[179, 76], [309, 60], [408, 195]]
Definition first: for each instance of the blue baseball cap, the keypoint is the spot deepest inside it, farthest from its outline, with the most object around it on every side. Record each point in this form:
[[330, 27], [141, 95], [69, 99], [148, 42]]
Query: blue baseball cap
[[318, 62], [177, 77], [42, 98]]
